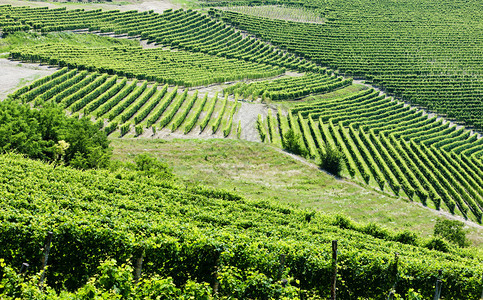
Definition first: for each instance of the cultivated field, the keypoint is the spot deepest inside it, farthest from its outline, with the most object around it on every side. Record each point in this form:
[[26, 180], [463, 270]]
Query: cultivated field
[[220, 115]]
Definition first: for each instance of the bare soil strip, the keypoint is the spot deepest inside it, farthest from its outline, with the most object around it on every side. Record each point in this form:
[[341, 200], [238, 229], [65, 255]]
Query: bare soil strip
[[14, 74]]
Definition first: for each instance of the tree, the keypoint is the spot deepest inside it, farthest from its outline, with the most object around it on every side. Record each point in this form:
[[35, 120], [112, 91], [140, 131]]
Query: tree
[[48, 134], [452, 231]]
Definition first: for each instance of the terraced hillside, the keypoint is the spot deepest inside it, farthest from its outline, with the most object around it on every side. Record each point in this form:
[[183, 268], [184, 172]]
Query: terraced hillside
[[390, 145], [188, 30], [131, 105], [424, 52], [126, 232]]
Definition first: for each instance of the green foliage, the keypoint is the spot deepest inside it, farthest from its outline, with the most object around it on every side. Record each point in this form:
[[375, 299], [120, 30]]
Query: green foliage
[[48, 134], [168, 29], [139, 130], [289, 88], [111, 281], [331, 160], [221, 113], [238, 130], [292, 142], [452, 231], [157, 288], [384, 141], [406, 237], [439, 244], [30, 39], [187, 233], [251, 284], [151, 166], [344, 222], [186, 68], [361, 39]]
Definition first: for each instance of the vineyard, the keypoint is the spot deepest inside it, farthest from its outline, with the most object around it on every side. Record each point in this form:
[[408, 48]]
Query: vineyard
[[288, 72], [186, 233], [392, 146], [164, 66], [290, 87], [426, 53], [186, 30], [116, 103]]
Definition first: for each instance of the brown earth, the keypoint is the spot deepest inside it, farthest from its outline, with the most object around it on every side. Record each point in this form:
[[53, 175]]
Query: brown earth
[[14, 74]]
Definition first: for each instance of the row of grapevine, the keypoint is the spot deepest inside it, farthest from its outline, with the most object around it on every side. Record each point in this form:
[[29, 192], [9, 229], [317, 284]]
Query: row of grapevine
[[119, 104], [407, 57], [406, 150], [229, 124], [191, 122], [218, 119], [156, 64], [140, 101], [289, 87], [180, 117], [220, 230], [187, 30], [26, 89]]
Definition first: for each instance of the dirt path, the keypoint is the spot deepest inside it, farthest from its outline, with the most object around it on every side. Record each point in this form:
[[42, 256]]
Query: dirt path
[[14, 74], [247, 116]]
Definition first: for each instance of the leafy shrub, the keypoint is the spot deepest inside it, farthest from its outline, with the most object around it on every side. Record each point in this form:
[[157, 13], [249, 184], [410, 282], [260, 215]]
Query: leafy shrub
[[292, 142], [115, 278], [139, 130], [48, 134], [439, 244], [152, 166], [251, 284], [376, 231], [344, 222], [452, 231], [331, 160], [406, 237]]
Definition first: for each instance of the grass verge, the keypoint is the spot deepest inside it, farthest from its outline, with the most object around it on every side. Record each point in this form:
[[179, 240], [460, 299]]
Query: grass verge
[[260, 171]]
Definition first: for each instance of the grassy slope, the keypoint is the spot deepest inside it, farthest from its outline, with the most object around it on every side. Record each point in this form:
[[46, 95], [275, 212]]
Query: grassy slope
[[22, 39], [259, 171]]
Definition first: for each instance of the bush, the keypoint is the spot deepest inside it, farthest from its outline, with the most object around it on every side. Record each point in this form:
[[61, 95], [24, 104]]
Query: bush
[[439, 244], [376, 231], [344, 222], [452, 231], [292, 142], [151, 166], [48, 134], [406, 237], [331, 160]]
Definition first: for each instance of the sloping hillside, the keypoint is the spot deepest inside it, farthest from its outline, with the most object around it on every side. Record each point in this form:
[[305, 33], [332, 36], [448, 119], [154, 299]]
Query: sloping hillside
[[188, 232]]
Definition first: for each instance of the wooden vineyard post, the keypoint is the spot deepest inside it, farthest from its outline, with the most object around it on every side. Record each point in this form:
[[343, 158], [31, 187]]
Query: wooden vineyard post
[[24, 268], [45, 257], [282, 267], [437, 289], [139, 267], [334, 279], [216, 283]]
